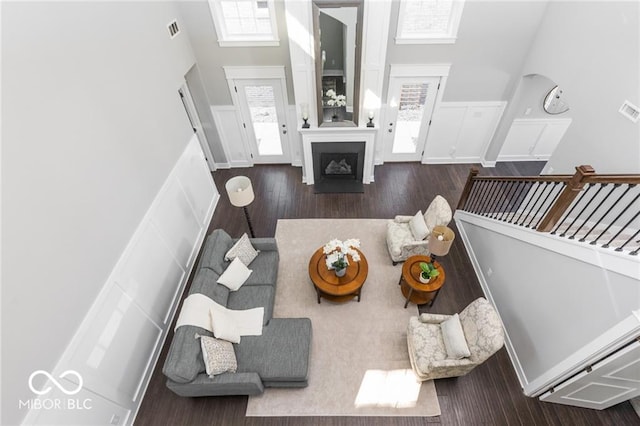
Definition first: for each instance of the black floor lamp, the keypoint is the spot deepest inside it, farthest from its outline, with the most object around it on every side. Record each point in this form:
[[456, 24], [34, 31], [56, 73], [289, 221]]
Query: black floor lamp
[[240, 194]]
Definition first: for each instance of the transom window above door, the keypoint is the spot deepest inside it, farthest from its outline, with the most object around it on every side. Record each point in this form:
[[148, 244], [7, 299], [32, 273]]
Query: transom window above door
[[428, 21], [245, 22]]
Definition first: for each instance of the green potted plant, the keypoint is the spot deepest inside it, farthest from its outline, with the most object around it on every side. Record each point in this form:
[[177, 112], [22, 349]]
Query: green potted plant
[[428, 271]]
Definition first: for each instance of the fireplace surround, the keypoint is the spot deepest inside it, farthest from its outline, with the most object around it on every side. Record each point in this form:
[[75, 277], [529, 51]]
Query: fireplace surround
[[336, 137]]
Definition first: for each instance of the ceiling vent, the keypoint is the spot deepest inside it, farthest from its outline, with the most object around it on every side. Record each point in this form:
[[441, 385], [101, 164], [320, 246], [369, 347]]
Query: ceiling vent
[[173, 28], [630, 111]]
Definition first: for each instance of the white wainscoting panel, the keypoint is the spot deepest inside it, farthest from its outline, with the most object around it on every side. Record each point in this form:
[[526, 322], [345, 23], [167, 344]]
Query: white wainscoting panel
[[119, 335], [179, 226], [461, 131], [119, 341], [195, 181], [88, 409], [533, 139], [150, 273]]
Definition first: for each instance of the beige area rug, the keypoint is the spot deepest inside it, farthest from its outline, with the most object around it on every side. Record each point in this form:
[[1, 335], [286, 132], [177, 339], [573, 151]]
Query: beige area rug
[[359, 364]]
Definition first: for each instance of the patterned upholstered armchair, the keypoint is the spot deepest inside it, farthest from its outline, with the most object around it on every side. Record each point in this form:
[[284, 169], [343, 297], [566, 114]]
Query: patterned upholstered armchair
[[482, 330], [402, 240]]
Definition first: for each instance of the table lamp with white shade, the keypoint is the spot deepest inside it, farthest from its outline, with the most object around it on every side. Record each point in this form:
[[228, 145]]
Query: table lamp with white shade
[[240, 193], [440, 241]]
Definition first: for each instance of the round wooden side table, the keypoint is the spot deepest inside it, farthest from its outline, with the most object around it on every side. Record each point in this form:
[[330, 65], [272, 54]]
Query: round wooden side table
[[334, 288], [415, 291]]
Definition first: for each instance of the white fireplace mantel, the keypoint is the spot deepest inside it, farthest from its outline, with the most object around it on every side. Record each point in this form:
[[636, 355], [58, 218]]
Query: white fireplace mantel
[[338, 134]]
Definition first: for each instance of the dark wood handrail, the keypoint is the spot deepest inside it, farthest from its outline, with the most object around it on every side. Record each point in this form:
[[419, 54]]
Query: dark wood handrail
[[552, 199], [622, 179], [544, 178], [574, 184]]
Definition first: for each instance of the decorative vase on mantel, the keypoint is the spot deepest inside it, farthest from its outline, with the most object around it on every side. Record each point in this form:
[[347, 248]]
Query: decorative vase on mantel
[[340, 272]]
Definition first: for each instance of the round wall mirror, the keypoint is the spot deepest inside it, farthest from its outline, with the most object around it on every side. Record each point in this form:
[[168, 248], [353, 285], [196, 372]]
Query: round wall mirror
[[554, 102]]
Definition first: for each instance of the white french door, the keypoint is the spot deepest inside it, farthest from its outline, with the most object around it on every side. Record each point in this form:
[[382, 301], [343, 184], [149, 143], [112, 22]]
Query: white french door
[[262, 106], [410, 103]]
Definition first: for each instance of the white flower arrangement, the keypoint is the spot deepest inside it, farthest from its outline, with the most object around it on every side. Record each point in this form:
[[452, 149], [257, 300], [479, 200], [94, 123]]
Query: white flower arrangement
[[337, 252], [336, 100]]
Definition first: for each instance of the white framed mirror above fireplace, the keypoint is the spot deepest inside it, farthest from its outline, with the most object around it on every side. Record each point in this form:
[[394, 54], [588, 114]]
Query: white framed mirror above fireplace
[[368, 81]]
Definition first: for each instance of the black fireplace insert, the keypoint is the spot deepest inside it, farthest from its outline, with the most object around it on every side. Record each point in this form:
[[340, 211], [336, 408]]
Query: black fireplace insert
[[338, 166]]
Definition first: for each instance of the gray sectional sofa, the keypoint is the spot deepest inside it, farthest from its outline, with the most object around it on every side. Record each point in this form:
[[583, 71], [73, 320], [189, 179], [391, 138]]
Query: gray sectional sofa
[[277, 358]]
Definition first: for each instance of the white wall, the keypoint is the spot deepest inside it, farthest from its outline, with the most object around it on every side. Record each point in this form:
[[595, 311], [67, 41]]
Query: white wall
[[533, 91], [561, 301], [591, 49], [91, 127], [198, 22], [493, 40]]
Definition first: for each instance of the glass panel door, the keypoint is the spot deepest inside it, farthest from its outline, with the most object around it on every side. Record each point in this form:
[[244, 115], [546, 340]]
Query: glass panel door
[[262, 106], [409, 112], [264, 119]]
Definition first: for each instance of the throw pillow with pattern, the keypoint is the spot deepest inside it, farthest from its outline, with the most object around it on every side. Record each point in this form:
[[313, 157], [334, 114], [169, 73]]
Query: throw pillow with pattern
[[219, 356], [242, 249]]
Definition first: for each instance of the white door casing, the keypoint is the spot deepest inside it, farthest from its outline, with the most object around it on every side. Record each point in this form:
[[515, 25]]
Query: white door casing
[[260, 98], [410, 104], [196, 125], [427, 82]]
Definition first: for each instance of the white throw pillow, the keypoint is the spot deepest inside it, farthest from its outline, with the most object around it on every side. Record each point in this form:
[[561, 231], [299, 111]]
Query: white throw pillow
[[454, 340], [218, 355], [418, 226], [235, 275], [242, 249], [223, 325]]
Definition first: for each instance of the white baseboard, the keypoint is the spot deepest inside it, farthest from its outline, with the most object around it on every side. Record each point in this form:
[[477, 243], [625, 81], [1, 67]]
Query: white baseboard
[[523, 158], [450, 160], [240, 164]]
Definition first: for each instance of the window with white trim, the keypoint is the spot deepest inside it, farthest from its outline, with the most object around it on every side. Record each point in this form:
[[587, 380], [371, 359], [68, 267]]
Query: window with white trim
[[245, 22], [428, 21]]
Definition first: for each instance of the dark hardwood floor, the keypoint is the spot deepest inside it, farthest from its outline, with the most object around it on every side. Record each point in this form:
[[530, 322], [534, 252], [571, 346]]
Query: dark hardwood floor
[[489, 395]]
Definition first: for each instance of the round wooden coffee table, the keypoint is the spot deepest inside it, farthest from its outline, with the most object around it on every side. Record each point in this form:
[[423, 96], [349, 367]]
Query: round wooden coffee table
[[415, 291], [333, 288]]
